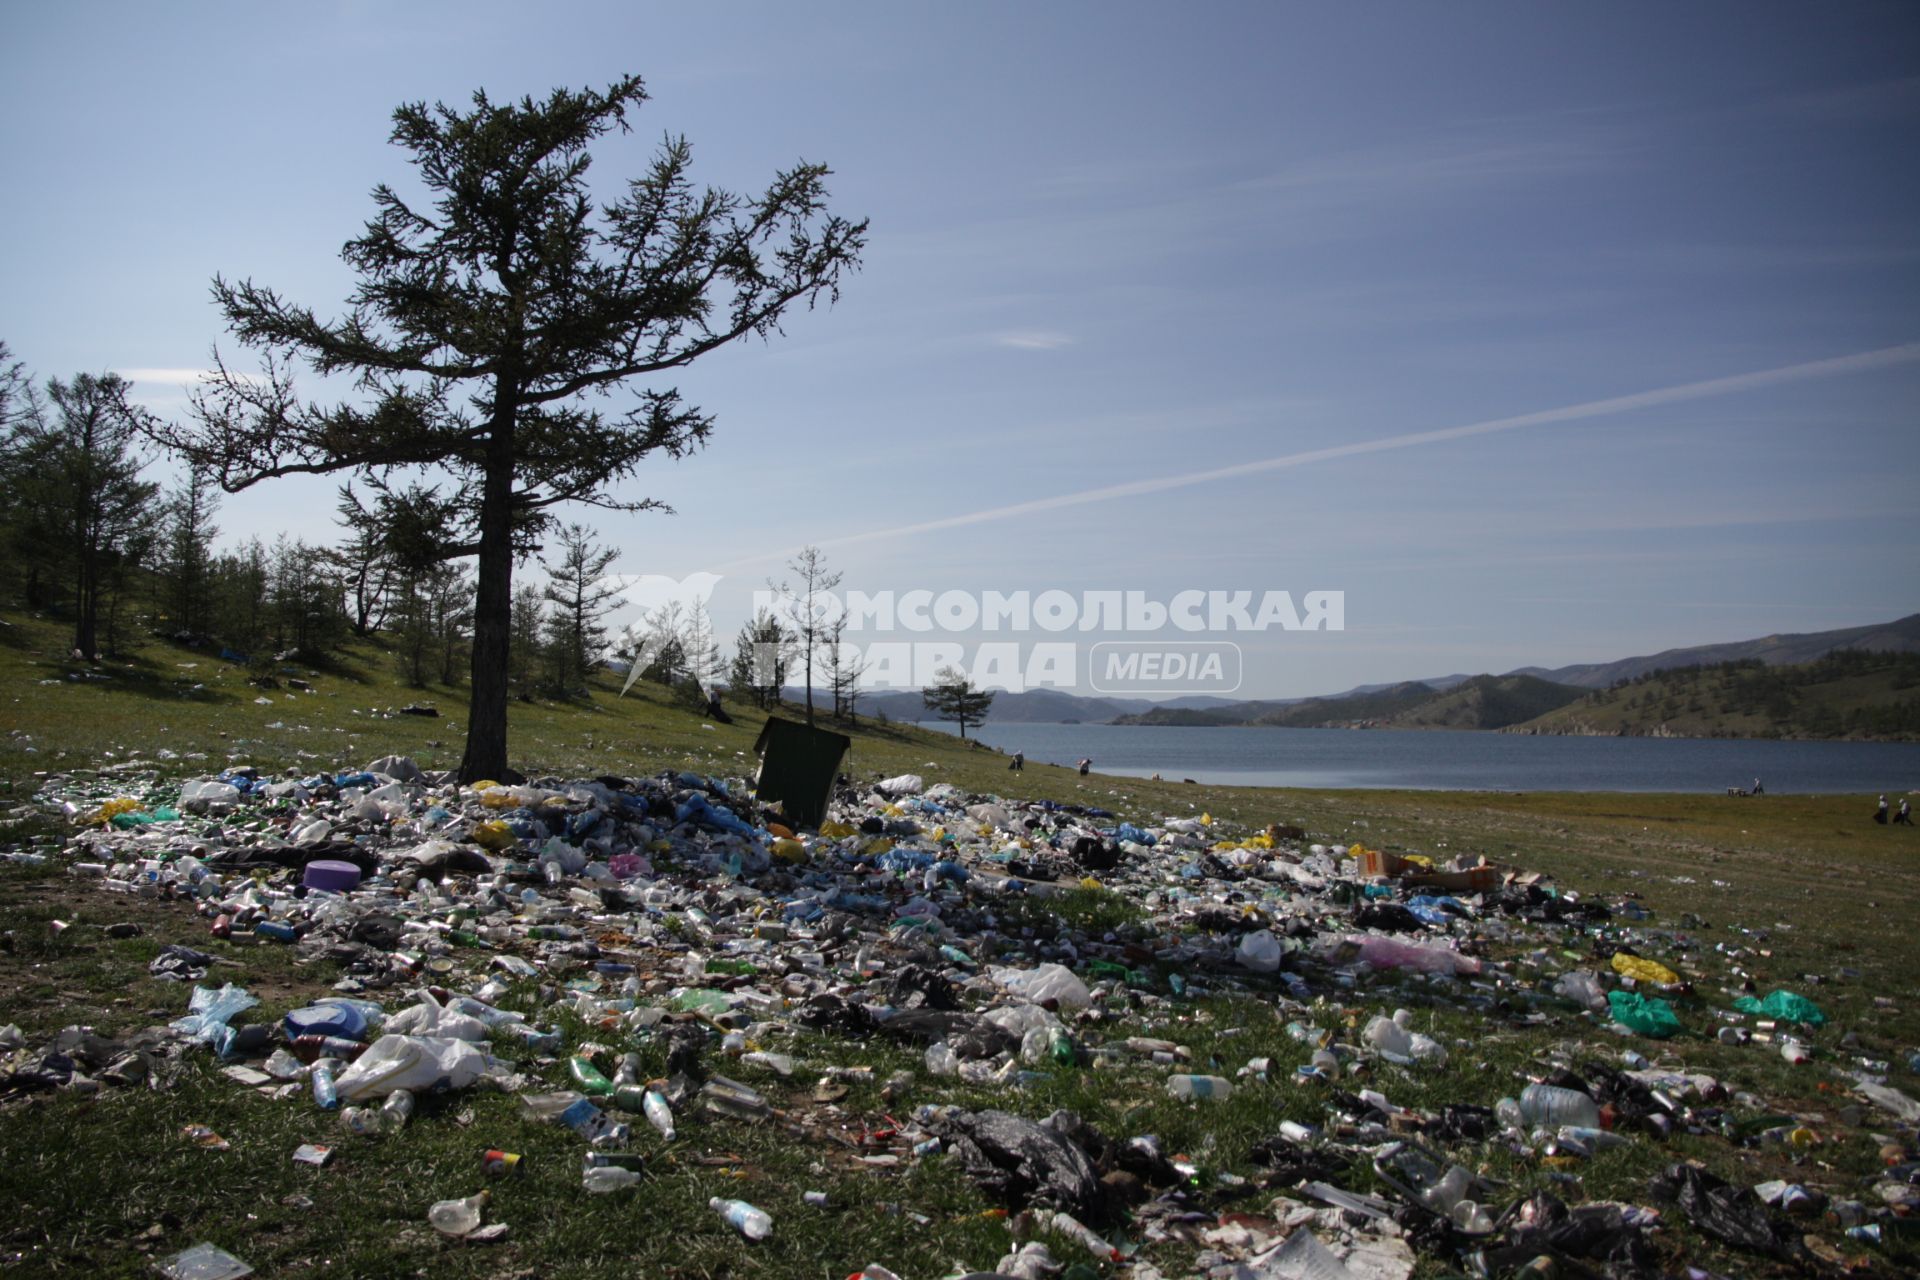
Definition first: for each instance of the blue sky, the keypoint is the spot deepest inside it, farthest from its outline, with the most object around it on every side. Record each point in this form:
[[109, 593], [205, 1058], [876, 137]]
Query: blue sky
[[1119, 242]]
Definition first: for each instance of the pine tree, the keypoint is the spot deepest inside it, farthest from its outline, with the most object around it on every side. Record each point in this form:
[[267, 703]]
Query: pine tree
[[484, 325]]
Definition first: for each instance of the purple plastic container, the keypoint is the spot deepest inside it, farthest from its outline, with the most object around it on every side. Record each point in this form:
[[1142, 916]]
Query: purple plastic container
[[331, 876]]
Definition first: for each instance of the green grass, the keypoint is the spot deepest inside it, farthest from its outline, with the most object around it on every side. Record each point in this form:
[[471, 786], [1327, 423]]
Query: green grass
[[1787, 891]]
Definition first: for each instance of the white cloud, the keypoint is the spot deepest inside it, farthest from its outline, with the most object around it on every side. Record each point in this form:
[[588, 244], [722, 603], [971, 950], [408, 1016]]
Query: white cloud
[[1032, 339], [168, 377]]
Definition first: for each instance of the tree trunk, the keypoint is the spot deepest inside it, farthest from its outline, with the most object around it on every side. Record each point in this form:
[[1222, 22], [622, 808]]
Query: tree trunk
[[486, 755], [85, 606]]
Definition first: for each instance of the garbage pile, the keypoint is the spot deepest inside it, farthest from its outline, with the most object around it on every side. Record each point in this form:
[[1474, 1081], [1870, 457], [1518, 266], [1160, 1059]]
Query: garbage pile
[[677, 915]]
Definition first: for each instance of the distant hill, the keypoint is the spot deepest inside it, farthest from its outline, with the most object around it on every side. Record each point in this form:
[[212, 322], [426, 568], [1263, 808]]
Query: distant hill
[[1900, 636], [1848, 694], [1473, 702], [1486, 702]]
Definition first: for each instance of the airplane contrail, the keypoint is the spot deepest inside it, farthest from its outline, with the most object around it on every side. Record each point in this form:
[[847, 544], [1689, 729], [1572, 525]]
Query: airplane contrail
[[1861, 361]]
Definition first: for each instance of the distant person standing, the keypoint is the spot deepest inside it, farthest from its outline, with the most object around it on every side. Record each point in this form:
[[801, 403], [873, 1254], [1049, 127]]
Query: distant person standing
[[1880, 814], [1019, 765], [1758, 789], [1903, 818], [1086, 763]]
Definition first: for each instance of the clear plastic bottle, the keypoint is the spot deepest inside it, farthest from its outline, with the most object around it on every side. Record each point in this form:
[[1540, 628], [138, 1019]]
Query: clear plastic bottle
[[941, 1060], [1552, 1106], [1194, 1088], [458, 1217], [658, 1114], [750, 1222], [608, 1178], [325, 1095]]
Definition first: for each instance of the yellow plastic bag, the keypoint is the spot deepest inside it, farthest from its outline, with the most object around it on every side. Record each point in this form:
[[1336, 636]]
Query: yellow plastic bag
[[789, 850], [494, 836], [1642, 970], [112, 809], [836, 830]]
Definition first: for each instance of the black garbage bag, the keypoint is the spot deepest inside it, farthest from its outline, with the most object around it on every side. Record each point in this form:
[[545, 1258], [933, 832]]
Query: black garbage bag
[[828, 1012], [1631, 1101], [685, 1043], [1146, 1159], [1390, 916], [1293, 1164], [1020, 1163], [1726, 1212], [926, 1026], [1542, 1225], [1032, 869], [1463, 1122], [1097, 1146], [915, 987], [1094, 854], [378, 930]]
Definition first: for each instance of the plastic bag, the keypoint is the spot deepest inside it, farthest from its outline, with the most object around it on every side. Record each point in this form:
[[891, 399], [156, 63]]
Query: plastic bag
[[1784, 1005], [208, 794], [1048, 982], [1260, 952], [418, 1064], [906, 784], [203, 1262], [1582, 987], [209, 1010], [431, 1018], [1643, 970], [1723, 1211], [1649, 1015], [1391, 953]]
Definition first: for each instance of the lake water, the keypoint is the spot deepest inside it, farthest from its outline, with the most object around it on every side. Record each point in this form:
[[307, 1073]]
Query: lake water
[[1451, 761]]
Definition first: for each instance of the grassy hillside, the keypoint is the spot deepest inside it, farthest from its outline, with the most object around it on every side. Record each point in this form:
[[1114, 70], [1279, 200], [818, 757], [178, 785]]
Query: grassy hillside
[[1485, 702], [1844, 695]]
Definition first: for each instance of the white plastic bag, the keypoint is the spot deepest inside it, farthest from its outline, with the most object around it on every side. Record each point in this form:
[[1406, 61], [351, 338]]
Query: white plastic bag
[[208, 796], [418, 1064], [907, 784], [1047, 982], [1260, 952], [431, 1018]]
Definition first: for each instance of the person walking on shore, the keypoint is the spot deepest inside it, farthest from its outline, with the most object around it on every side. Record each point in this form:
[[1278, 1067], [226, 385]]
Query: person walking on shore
[[1880, 814], [1019, 765], [1086, 763], [1903, 818]]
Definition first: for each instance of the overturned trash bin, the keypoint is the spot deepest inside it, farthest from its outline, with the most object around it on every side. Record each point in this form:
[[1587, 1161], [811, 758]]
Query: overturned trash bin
[[797, 768]]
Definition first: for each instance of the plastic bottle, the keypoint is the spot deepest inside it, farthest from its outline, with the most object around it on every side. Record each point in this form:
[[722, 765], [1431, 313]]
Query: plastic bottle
[[325, 1095], [731, 1098], [458, 1217], [750, 1222], [1194, 1088], [658, 1113], [1552, 1106], [603, 1179], [941, 1060], [587, 1078], [397, 1109]]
